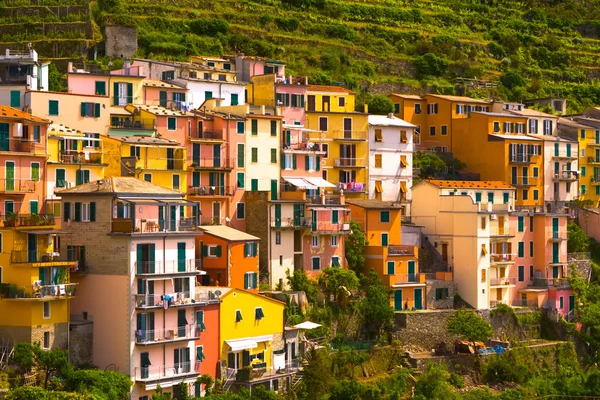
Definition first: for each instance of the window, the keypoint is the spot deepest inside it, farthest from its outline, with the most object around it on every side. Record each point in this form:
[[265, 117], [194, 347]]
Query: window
[[273, 128], [171, 123], [334, 241], [377, 160], [536, 194], [531, 272], [335, 261], [378, 135], [444, 129], [15, 98], [316, 263], [391, 268], [384, 239], [234, 99], [496, 126], [214, 251], [531, 249], [175, 182], [277, 237], [483, 275], [258, 313], [521, 249], [478, 197], [250, 280], [341, 102], [582, 189], [323, 124], [148, 177], [483, 222], [417, 108], [240, 211], [521, 224], [53, 107], [274, 156], [240, 180], [561, 302], [432, 108], [396, 108], [46, 309], [525, 194], [207, 94], [582, 153], [241, 127], [521, 273], [530, 224], [315, 241], [384, 216], [35, 171], [222, 77], [90, 110], [85, 212], [254, 124], [250, 249], [46, 343], [254, 152], [432, 130], [100, 88], [403, 137]]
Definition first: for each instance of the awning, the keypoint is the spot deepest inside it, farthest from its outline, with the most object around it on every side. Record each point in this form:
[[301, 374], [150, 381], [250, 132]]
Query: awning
[[319, 182], [241, 344], [299, 183], [118, 111], [403, 187], [378, 188]]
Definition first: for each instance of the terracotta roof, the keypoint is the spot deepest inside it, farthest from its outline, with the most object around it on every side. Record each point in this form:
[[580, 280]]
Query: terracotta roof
[[161, 84], [460, 98], [228, 233], [408, 96], [13, 113], [122, 186], [572, 124], [528, 112], [323, 88], [374, 204], [469, 184], [157, 110], [61, 130]]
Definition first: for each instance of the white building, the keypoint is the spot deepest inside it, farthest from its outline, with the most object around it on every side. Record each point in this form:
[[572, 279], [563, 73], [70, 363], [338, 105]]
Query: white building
[[391, 145]]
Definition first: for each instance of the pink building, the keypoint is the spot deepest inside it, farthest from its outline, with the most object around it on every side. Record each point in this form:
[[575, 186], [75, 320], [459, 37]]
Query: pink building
[[248, 66], [164, 94]]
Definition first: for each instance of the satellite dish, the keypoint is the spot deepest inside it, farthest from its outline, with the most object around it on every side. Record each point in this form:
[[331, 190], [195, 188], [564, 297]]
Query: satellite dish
[[217, 293]]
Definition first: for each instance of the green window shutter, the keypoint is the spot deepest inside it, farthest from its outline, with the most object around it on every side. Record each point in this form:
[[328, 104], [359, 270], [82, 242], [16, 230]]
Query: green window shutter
[[505, 195], [246, 276], [86, 176], [240, 127], [306, 162], [274, 156], [129, 93], [67, 211], [116, 94], [78, 177], [521, 249], [100, 88], [273, 128], [254, 127], [77, 211], [172, 124], [208, 95], [318, 163], [255, 285], [478, 197], [93, 211], [438, 294], [240, 180], [294, 162], [218, 251], [334, 216], [254, 154], [246, 250], [390, 268], [196, 179], [35, 172], [33, 207], [60, 178], [234, 99], [15, 98], [204, 251], [521, 224], [97, 110], [254, 185], [84, 109], [162, 98]]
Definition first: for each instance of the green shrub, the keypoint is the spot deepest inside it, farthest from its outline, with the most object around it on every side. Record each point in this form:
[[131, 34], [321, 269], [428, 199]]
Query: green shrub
[[287, 24], [206, 26], [430, 64]]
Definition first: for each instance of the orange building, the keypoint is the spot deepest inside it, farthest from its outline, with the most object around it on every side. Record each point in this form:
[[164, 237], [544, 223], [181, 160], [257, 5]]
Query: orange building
[[207, 346], [396, 265], [230, 257]]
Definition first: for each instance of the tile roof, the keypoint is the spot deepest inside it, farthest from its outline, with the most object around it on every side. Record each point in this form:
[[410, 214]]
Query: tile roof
[[14, 113], [572, 124], [161, 84], [61, 130], [122, 185], [460, 98], [408, 96], [532, 113], [227, 233], [498, 114], [374, 204], [386, 120], [162, 111], [469, 184], [324, 88]]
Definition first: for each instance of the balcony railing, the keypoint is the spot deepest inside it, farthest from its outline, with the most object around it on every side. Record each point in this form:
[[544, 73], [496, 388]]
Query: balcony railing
[[163, 372], [550, 282], [22, 146], [211, 190], [405, 278], [158, 300], [502, 258], [593, 160], [17, 185], [32, 292], [501, 232], [79, 157], [206, 135], [565, 175], [326, 227], [305, 146], [556, 234], [351, 187], [325, 200], [348, 135], [142, 124], [401, 251], [212, 163], [523, 158], [145, 225], [168, 267], [13, 219], [564, 154], [156, 336], [297, 222], [350, 162], [524, 181], [38, 256], [503, 281]]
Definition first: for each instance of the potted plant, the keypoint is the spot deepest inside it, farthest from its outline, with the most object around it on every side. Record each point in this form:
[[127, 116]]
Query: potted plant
[[35, 220], [11, 219], [243, 374], [194, 164]]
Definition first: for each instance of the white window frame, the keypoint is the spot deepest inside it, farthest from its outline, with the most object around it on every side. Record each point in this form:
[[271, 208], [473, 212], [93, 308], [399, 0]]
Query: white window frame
[[46, 346], [431, 108], [334, 240], [49, 314], [547, 130], [85, 212], [210, 253], [312, 163], [315, 239], [287, 161]]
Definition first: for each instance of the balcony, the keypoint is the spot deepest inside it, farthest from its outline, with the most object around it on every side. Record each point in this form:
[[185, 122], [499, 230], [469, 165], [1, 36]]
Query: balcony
[[502, 258], [12, 220], [551, 283], [214, 136], [350, 163], [178, 299], [171, 335], [170, 267], [294, 223], [565, 175], [151, 226], [326, 227], [502, 282], [304, 147], [212, 164], [164, 372], [348, 135], [17, 186], [211, 191], [325, 200], [407, 279], [501, 233], [43, 292], [148, 124], [556, 235], [593, 161], [41, 258], [564, 155], [350, 187], [494, 208], [595, 180], [524, 181], [22, 146], [93, 156], [523, 158], [401, 251]]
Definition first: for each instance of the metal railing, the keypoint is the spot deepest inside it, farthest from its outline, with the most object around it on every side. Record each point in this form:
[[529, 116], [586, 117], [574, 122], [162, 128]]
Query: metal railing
[[593, 160], [22, 146], [159, 300], [212, 163], [565, 154], [503, 281], [565, 175], [502, 258], [523, 158], [297, 222], [165, 335], [524, 181], [38, 256], [556, 234], [13, 219], [348, 135], [350, 162], [208, 135], [303, 146], [325, 200], [145, 225], [351, 187], [94, 156], [205, 190], [163, 372], [32, 292], [145, 123], [405, 278], [401, 250], [501, 231], [167, 267], [550, 282], [17, 185], [326, 227]]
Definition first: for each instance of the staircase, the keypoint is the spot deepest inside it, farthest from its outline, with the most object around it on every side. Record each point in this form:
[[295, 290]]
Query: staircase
[[296, 379], [437, 264], [229, 379]]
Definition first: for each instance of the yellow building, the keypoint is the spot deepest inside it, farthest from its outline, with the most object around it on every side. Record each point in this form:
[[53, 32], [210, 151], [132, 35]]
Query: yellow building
[[343, 133], [252, 340], [396, 265], [152, 159], [496, 146], [34, 283]]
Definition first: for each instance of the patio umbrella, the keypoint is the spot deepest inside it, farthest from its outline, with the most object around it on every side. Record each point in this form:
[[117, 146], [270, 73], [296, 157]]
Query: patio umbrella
[[307, 325]]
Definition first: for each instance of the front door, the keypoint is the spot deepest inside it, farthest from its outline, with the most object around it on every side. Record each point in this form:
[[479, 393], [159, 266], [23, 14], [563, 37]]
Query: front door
[[398, 300], [419, 299], [445, 252], [10, 176], [32, 248], [4, 137]]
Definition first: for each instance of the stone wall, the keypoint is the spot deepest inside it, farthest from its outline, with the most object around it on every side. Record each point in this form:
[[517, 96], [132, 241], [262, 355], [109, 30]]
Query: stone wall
[[423, 329], [257, 224], [81, 343], [446, 302], [120, 41]]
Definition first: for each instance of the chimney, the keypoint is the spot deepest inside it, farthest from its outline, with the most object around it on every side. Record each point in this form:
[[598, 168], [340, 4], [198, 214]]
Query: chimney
[[70, 66], [366, 108], [391, 115]]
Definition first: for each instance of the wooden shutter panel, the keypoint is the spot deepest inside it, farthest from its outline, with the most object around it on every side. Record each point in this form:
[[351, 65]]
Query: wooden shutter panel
[[96, 110], [218, 251], [116, 94], [129, 93], [93, 211], [83, 109], [67, 211], [77, 211]]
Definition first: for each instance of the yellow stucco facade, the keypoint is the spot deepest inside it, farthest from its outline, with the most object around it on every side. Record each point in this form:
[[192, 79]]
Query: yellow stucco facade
[[589, 164]]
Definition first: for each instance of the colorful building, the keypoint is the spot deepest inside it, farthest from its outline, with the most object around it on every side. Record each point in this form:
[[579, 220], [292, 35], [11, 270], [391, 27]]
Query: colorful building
[[397, 265], [391, 147], [136, 252], [21, 72], [247, 67], [207, 314], [230, 257]]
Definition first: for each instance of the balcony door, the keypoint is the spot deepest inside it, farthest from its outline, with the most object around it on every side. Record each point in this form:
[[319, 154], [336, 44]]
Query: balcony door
[[122, 94], [145, 327], [181, 359], [347, 128], [347, 154], [32, 248], [216, 212], [10, 176], [217, 156], [326, 103], [145, 258], [4, 137], [181, 323], [170, 158]]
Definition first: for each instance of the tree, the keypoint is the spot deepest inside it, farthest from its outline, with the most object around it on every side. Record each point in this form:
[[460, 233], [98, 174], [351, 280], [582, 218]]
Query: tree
[[338, 282], [433, 383], [108, 384], [577, 239], [207, 381], [429, 164], [354, 245], [429, 64], [380, 104], [159, 395], [317, 375], [23, 357], [470, 326], [50, 361], [375, 306], [55, 79], [299, 281]]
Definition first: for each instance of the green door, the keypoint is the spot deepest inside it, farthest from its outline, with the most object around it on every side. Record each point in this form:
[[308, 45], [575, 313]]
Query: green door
[[571, 303], [10, 176], [411, 271], [161, 218], [384, 239], [31, 247], [298, 214], [217, 155], [314, 221], [273, 189], [4, 138], [181, 323], [555, 271], [555, 228], [398, 300], [555, 253], [181, 257], [173, 218], [419, 299], [277, 215]]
